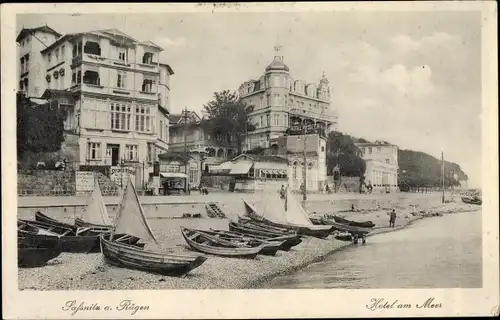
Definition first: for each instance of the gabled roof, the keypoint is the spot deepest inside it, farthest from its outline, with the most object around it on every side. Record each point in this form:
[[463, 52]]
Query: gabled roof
[[261, 158], [68, 36], [26, 31], [176, 118], [54, 93], [115, 34], [169, 69], [152, 44]]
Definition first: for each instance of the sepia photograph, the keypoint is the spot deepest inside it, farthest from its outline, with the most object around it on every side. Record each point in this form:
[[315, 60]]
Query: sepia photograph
[[249, 146]]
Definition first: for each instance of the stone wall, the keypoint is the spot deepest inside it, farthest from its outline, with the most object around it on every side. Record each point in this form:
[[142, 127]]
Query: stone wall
[[57, 183]]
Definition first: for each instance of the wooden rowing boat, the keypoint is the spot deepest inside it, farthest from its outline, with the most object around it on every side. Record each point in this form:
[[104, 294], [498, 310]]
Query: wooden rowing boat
[[131, 221], [472, 200], [203, 243], [288, 240], [361, 224], [40, 217], [345, 228], [32, 256], [130, 257], [268, 248]]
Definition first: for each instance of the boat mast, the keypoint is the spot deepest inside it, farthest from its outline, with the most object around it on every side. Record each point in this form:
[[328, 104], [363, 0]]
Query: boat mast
[[442, 174]]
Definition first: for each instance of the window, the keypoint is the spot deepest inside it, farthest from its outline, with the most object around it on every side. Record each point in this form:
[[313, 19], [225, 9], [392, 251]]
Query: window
[[322, 148], [131, 152], [93, 151], [63, 51], [120, 116], [161, 129], [294, 172], [276, 99], [147, 58], [26, 85], [79, 77], [261, 121], [370, 150], [379, 149], [22, 64], [147, 85], [286, 120], [142, 119], [276, 119], [121, 79], [388, 161], [57, 54], [49, 57], [91, 77], [92, 47], [151, 150], [122, 54], [268, 120]]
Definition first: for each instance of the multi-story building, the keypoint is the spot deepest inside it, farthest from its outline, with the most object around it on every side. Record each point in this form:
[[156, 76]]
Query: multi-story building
[[314, 147], [381, 164], [112, 86], [186, 133], [282, 102]]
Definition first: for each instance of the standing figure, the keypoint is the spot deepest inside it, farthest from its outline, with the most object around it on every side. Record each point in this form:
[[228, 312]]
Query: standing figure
[[282, 192], [392, 219]]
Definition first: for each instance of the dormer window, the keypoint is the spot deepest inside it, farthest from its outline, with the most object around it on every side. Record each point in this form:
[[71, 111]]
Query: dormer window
[[147, 58]]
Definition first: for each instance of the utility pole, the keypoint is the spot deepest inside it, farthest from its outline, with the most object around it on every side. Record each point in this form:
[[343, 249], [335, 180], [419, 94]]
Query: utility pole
[[304, 175], [442, 173], [185, 117]]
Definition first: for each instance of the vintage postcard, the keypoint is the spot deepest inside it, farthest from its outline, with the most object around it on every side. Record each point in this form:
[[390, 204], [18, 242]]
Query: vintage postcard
[[250, 160]]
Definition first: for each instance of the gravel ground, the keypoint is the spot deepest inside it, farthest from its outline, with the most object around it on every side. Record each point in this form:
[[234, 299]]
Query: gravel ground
[[90, 272]]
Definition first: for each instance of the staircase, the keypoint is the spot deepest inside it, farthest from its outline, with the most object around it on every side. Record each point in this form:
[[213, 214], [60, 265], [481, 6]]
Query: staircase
[[108, 187], [214, 211]]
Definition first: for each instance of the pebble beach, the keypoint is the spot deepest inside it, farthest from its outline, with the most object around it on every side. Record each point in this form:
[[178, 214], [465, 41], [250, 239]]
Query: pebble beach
[[71, 271]]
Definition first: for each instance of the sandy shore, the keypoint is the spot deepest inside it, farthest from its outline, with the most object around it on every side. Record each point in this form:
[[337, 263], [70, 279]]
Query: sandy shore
[[90, 272]]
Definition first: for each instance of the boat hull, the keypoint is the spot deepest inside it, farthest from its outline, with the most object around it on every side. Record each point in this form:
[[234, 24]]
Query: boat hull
[[32, 257], [130, 257], [34, 240], [236, 252], [346, 228], [46, 219], [361, 224], [475, 201], [290, 240]]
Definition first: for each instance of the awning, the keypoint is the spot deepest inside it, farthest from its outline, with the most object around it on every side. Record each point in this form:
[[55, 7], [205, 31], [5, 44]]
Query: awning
[[241, 167], [173, 175], [225, 165]]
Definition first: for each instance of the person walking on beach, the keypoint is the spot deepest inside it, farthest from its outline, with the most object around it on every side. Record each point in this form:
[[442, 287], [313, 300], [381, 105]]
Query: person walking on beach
[[392, 219], [282, 192]]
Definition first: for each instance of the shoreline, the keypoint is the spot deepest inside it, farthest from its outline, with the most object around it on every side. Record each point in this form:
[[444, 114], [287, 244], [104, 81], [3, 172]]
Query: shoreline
[[258, 283], [66, 272]]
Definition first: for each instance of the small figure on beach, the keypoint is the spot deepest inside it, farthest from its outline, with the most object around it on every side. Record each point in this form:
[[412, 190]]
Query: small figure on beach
[[327, 189], [282, 192], [392, 219]]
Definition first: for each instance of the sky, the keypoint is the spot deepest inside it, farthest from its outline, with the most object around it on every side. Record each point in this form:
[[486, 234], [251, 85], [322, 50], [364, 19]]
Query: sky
[[409, 78]]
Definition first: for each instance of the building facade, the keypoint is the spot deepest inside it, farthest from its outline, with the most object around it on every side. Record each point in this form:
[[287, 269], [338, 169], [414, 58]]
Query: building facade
[[282, 102], [381, 165], [293, 148], [114, 90], [186, 133]]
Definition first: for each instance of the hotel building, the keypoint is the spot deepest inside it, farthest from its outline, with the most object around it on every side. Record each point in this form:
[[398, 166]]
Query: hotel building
[[112, 87], [282, 102]]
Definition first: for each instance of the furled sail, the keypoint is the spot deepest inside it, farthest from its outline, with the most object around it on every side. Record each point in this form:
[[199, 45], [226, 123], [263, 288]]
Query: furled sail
[[95, 211], [295, 214], [130, 219]]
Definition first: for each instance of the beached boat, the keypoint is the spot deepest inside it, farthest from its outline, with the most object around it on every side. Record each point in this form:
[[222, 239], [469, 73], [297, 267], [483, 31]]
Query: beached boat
[[472, 200], [345, 227], [131, 221], [287, 214], [268, 248], [207, 244], [71, 241], [94, 214], [30, 256], [362, 224], [265, 226], [40, 217], [287, 242], [254, 230]]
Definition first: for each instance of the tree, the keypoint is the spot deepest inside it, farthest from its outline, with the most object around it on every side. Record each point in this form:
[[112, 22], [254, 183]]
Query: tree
[[40, 128], [419, 169], [341, 150], [228, 116]]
